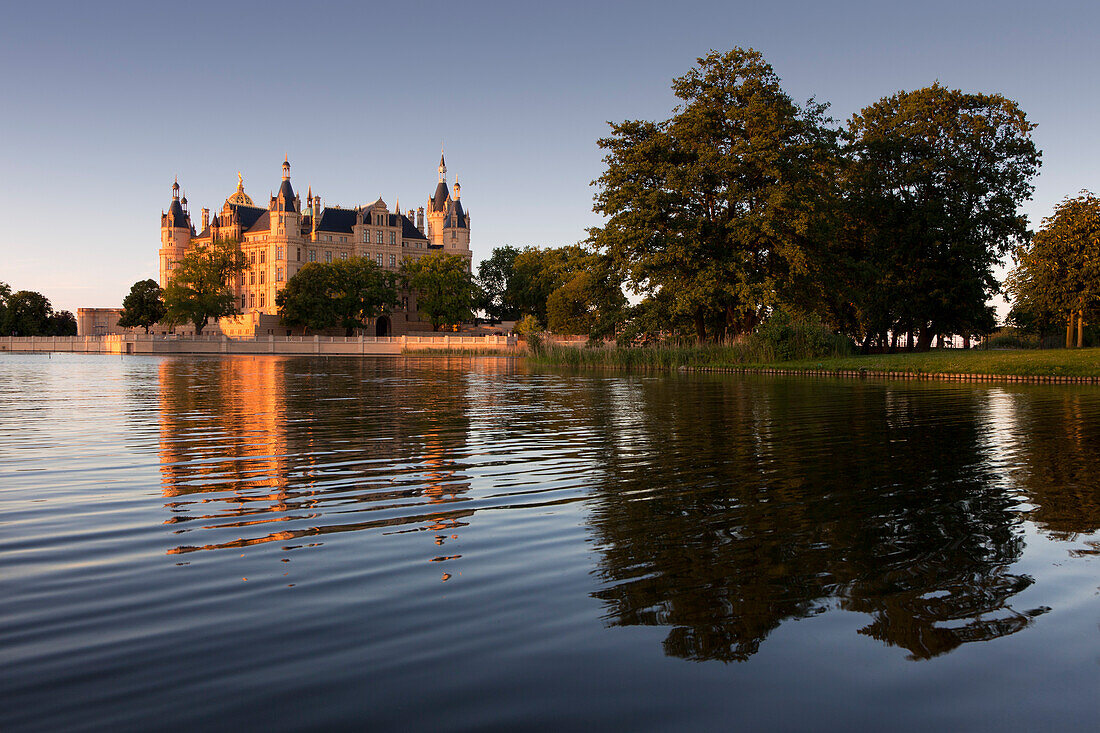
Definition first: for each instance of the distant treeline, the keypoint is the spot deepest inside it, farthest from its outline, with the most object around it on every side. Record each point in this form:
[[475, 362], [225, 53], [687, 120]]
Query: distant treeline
[[27, 313]]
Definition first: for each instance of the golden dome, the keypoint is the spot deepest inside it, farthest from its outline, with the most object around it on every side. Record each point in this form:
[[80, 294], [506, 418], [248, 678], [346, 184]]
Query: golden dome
[[239, 196]]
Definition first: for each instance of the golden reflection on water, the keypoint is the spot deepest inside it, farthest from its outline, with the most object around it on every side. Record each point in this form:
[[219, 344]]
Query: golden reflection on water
[[247, 443]]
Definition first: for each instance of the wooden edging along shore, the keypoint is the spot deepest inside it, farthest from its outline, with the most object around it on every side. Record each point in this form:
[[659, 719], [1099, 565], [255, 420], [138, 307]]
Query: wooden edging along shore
[[919, 376]]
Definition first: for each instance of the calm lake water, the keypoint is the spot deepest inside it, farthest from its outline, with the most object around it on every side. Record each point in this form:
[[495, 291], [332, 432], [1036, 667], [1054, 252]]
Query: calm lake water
[[419, 544]]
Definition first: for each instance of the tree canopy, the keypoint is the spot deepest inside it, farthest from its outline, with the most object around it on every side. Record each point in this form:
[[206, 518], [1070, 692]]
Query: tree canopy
[[345, 293], [29, 313], [933, 184], [716, 210], [1058, 271], [200, 286], [143, 306], [445, 290]]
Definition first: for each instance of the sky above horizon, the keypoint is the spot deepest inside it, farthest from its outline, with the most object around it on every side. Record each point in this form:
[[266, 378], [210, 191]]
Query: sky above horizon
[[104, 104]]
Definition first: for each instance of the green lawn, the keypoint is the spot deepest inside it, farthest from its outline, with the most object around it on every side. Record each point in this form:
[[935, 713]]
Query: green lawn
[[1024, 362]]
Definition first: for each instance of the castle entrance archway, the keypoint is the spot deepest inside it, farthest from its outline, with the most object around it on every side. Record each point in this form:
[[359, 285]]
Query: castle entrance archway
[[382, 326]]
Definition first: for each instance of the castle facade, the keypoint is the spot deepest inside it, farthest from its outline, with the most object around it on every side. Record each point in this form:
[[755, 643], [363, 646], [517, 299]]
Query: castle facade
[[279, 239]]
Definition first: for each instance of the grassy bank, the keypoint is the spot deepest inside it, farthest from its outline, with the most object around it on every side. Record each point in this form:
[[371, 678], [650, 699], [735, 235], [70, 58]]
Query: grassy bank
[[1028, 362]]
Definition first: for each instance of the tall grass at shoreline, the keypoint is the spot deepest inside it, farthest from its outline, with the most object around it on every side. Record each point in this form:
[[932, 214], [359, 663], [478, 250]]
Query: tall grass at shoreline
[[1030, 362]]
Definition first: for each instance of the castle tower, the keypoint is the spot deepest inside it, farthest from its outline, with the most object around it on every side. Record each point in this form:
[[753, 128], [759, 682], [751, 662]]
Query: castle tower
[[285, 207], [448, 222], [175, 235]]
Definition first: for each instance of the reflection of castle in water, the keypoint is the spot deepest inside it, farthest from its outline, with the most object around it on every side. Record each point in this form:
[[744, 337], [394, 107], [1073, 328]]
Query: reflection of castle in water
[[768, 503], [271, 450]]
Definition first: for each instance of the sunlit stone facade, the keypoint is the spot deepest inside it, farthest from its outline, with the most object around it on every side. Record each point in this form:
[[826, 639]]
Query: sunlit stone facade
[[280, 238]]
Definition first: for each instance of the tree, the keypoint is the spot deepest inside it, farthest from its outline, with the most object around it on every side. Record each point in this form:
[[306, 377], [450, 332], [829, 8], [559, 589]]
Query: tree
[[144, 306], [5, 299], [63, 323], [364, 291], [933, 190], [715, 210], [1058, 271], [200, 285], [345, 293], [494, 276], [445, 291], [589, 300], [307, 298], [29, 314]]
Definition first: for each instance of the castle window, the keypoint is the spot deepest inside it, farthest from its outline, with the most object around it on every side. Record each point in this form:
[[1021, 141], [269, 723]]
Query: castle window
[[279, 252], [252, 278], [262, 299], [380, 236], [263, 256], [242, 300], [252, 257], [343, 255], [313, 255], [279, 275], [299, 254], [393, 260], [379, 259], [261, 277], [393, 237], [454, 234], [251, 300], [366, 235], [328, 256]]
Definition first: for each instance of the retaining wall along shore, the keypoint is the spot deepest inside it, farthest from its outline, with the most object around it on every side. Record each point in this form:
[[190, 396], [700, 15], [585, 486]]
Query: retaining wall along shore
[[878, 374], [218, 344]]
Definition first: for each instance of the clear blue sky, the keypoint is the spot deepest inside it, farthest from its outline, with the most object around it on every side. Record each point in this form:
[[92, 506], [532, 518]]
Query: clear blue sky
[[102, 104]]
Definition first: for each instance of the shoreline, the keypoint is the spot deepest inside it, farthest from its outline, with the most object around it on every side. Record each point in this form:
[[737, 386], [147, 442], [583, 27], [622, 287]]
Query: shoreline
[[864, 373]]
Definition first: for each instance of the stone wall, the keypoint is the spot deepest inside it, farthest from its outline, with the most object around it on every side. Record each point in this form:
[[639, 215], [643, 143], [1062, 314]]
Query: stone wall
[[219, 344]]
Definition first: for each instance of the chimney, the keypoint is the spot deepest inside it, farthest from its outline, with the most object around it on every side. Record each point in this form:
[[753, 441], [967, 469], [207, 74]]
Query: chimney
[[420, 219], [205, 219]]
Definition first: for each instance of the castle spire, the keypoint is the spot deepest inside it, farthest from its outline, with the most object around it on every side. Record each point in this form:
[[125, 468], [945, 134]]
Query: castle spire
[[442, 167], [175, 188]]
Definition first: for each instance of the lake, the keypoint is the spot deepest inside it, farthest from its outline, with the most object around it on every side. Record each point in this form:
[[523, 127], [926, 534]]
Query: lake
[[475, 544]]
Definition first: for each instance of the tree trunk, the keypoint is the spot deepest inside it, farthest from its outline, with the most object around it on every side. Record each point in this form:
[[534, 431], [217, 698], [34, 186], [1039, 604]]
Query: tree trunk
[[700, 327], [893, 342], [1069, 331], [909, 340], [1080, 329], [966, 342], [924, 340]]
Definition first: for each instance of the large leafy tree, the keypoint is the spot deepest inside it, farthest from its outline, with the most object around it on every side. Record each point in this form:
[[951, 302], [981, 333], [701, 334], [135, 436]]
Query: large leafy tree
[[494, 276], [363, 291], [345, 293], [307, 300], [200, 285], [1057, 273], [143, 306], [5, 299], [63, 323], [933, 191], [716, 211], [445, 290], [29, 314]]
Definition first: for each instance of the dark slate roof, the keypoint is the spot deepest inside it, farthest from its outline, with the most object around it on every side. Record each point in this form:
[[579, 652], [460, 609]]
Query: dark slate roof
[[456, 217], [204, 233], [336, 220], [409, 230], [287, 192], [176, 216], [439, 200], [248, 215], [262, 224]]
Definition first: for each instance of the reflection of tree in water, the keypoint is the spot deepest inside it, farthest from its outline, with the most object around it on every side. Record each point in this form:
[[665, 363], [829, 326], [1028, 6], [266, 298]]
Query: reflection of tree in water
[[745, 503], [1059, 432], [316, 446]]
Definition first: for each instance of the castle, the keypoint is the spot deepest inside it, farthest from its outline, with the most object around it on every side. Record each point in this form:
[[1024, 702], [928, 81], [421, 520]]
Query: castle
[[280, 238]]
